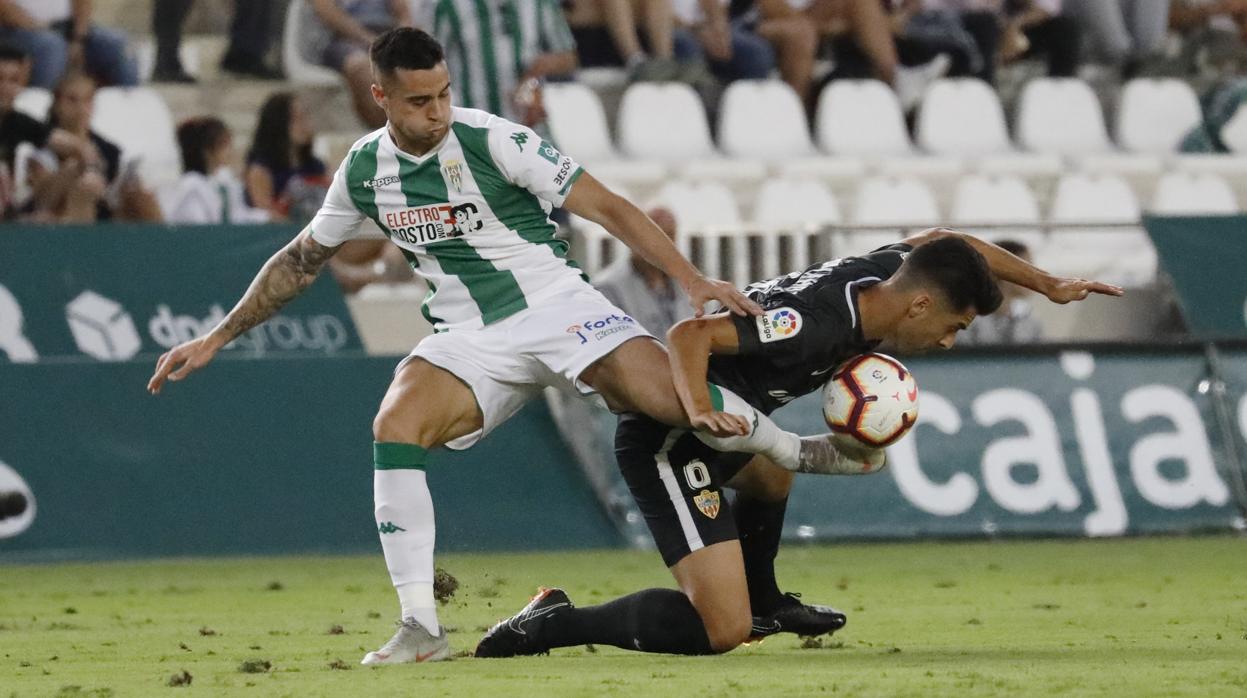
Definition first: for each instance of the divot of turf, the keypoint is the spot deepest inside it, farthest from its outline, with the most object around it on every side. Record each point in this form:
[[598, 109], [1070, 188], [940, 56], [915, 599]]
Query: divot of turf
[[182, 678], [255, 666], [444, 585]]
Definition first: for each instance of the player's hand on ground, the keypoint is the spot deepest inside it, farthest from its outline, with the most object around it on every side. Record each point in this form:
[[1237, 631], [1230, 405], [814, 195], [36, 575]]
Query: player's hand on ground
[[720, 423], [704, 290], [1066, 290], [179, 361]]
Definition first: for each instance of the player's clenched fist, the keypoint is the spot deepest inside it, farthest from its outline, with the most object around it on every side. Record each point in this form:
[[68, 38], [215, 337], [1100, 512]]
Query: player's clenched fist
[[179, 361]]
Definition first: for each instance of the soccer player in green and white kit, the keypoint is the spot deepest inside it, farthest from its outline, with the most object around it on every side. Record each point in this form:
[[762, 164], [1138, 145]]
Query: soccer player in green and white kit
[[467, 195]]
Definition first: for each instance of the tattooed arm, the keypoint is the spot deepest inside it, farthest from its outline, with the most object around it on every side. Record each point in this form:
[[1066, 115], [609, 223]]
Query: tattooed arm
[[283, 277]]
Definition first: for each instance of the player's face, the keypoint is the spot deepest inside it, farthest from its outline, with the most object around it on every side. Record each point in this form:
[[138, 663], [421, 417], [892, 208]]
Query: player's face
[[930, 323], [417, 103]]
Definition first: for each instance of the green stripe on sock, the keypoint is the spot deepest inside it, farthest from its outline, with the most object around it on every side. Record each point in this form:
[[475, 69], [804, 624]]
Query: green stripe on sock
[[716, 397], [389, 455]]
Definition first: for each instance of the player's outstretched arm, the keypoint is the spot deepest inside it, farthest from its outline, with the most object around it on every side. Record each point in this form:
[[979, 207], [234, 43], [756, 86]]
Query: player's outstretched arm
[[690, 344], [590, 199], [1010, 267], [283, 277]]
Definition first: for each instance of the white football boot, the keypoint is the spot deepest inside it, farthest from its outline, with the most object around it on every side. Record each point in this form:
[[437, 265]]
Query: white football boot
[[412, 643]]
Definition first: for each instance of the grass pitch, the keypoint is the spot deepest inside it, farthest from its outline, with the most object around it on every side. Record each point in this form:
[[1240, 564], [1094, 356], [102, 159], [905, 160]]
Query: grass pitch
[[1123, 618]]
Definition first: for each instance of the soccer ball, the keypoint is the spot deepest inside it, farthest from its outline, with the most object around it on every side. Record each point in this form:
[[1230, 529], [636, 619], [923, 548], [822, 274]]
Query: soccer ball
[[872, 398]]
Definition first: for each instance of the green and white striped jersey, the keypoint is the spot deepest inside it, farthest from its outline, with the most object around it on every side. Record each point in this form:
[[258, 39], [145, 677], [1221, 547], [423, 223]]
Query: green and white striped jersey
[[471, 216], [489, 45]]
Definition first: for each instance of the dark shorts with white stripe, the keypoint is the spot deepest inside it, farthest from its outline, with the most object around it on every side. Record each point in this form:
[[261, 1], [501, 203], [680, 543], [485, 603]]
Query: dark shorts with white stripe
[[677, 482]]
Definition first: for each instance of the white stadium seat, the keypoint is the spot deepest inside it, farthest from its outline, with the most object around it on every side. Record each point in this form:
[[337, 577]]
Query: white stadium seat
[[861, 117], [34, 102], [1062, 116], [1154, 115], [1186, 194], [1116, 256], [904, 202], [667, 122], [578, 125], [138, 121], [963, 117], [763, 119], [985, 200], [301, 71], [795, 204], [706, 214]]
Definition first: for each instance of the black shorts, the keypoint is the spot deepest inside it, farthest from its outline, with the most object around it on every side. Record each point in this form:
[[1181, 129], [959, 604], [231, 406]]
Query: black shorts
[[677, 482]]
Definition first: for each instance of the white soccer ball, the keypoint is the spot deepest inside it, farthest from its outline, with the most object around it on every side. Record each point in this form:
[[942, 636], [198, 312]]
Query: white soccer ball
[[872, 398]]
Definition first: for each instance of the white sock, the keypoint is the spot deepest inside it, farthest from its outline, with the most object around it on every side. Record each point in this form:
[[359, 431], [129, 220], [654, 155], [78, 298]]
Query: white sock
[[404, 510], [766, 438]]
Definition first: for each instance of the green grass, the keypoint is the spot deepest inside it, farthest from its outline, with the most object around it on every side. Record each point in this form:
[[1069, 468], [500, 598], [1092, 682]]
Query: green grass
[[1124, 618]]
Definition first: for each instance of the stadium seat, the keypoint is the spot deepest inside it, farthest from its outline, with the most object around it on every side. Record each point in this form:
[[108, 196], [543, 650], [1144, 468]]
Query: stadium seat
[[795, 204], [862, 119], [1155, 114], [763, 119], [706, 213], [667, 122], [34, 102], [298, 69], [138, 121], [963, 117], [1187, 194], [903, 202], [1062, 116], [578, 125], [981, 202], [1119, 255]]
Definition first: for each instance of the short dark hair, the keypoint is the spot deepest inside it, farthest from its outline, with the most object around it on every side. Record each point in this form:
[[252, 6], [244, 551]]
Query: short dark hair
[[12, 54], [407, 48], [196, 136], [1014, 247], [953, 266]]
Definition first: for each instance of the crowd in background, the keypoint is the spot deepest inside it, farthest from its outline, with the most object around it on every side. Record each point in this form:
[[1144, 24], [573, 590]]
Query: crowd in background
[[57, 169]]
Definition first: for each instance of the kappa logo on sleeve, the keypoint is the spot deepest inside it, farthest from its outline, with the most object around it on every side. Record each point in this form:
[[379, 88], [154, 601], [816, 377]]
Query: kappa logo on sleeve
[[520, 139], [780, 323]]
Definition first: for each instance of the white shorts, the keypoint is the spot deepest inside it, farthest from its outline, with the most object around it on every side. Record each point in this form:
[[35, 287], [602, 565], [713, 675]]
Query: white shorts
[[510, 361]]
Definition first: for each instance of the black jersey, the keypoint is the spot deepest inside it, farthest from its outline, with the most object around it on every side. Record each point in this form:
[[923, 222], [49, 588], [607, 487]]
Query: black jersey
[[810, 325]]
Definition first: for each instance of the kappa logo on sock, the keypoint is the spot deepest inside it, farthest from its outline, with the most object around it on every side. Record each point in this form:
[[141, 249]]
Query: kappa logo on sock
[[389, 527]]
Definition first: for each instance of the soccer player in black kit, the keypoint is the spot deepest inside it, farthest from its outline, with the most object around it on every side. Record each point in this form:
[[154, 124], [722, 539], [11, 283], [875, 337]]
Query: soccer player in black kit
[[909, 297]]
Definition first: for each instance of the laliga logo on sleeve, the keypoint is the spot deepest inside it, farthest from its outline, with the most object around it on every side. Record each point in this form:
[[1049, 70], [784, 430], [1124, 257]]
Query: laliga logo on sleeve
[[777, 324]]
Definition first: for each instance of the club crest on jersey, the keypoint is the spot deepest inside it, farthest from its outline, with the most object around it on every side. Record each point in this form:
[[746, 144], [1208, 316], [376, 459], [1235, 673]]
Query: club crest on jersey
[[777, 324], [707, 503], [453, 170]]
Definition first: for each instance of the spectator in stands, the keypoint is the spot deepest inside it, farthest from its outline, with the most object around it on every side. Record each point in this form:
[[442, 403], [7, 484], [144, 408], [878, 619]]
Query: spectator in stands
[[1123, 33], [966, 32], [125, 198], [1223, 128], [1014, 322], [1037, 28], [250, 36], [1214, 33], [340, 40], [793, 38], [606, 33], [209, 190], [733, 50], [643, 290], [283, 176], [59, 34], [40, 187], [863, 42], [502, 51]]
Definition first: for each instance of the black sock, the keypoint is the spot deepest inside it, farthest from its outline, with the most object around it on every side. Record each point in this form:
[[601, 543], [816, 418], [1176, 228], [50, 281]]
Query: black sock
[[653, 620], [759, 524]]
